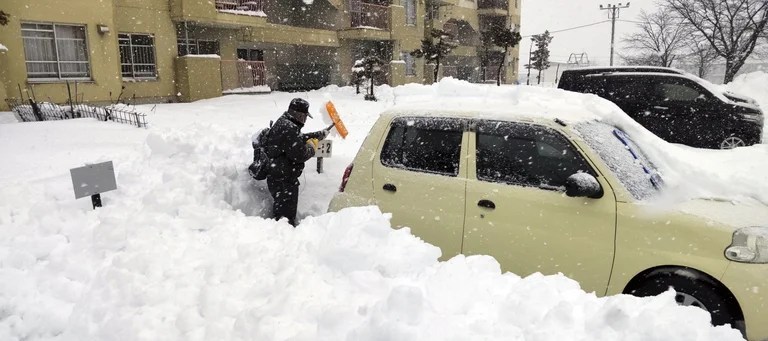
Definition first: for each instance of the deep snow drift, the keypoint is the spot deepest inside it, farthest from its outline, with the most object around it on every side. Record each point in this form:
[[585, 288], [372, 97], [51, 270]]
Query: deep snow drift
[[178, 252]]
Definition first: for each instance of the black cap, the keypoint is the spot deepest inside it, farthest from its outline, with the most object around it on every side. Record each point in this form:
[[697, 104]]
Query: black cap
[[300, 105]]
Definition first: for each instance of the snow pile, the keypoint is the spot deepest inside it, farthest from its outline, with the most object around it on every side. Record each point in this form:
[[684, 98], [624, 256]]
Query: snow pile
[[3, 48], [169, 258], [754, 85], [179, 251]]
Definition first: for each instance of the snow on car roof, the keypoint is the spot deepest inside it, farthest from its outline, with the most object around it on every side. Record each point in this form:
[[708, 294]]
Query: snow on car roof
[[459, 98], [627, 67]]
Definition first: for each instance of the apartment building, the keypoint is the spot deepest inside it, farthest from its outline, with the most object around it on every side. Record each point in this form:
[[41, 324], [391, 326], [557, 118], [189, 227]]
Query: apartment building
[[185, 50]]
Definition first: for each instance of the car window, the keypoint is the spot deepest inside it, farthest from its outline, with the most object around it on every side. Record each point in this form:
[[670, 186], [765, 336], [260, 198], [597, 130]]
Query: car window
[[624, 158], [430, 145], [677, 92], [527, 155], [630, 89]]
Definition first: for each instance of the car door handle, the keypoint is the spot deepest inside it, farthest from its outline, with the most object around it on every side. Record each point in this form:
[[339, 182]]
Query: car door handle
[[390, 188], [660, 107], [486, 204]]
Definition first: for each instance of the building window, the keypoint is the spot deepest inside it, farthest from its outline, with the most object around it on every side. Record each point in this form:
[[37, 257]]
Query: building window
[[410, 63], [433, 12], [137, 55], [197, 46], [55, 51], [410, 12]]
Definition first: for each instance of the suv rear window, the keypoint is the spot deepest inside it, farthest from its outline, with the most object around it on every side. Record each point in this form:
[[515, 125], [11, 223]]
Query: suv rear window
[[429, 145]]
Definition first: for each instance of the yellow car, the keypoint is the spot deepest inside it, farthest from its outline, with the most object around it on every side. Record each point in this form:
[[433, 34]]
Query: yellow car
[[542, 195]]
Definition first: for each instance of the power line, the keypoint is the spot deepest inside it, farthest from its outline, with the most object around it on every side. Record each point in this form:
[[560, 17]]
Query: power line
[[571, 28]]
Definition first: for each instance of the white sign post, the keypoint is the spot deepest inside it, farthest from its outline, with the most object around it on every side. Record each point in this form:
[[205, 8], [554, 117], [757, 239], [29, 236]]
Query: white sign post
[[92, 180], [323, 150]]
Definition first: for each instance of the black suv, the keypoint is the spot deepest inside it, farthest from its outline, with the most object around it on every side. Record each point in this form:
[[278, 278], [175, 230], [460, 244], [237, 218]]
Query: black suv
[[674, 105]]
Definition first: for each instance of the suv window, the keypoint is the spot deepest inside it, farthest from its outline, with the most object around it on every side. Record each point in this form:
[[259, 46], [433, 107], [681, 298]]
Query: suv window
[[626, 89], [526, 155], [430, 145], [669, 91]]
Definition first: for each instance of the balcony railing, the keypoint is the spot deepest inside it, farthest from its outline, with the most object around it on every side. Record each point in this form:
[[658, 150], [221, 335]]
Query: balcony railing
[[493, 4], [241, 74], [370, 15], [240, 5]]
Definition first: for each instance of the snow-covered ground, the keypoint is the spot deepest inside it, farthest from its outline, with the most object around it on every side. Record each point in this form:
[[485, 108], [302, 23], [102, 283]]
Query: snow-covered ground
[[180, 252]]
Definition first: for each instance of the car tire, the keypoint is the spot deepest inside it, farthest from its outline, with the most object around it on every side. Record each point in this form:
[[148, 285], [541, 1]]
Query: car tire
[[731, 142], [695, 292]]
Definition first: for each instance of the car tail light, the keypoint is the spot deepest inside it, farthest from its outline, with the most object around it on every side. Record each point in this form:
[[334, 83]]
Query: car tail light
[[345, 178]]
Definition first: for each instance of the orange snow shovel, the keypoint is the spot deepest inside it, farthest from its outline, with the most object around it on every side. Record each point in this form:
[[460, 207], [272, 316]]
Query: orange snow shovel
[[336, 119]]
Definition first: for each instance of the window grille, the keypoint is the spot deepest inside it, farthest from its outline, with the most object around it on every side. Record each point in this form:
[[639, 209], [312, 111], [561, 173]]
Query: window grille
[[137, 55], [55, 51]]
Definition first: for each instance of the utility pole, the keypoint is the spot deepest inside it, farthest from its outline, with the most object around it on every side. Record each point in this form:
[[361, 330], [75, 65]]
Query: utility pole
[[615, 9], [530, 53]]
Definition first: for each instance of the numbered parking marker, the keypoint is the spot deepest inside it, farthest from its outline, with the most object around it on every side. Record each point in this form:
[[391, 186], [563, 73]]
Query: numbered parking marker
[[324, 148]]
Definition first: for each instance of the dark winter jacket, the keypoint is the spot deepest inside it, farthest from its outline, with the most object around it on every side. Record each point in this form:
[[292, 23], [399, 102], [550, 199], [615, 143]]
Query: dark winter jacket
[[287, 148]]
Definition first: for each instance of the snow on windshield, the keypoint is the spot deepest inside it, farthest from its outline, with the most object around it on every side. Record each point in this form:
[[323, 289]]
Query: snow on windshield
[[623, 157]]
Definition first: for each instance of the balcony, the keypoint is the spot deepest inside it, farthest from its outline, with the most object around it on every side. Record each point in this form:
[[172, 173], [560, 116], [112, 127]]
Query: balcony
[[493, 7], [220, 13], [238, 76], [240, 6], [368, 21], [368, 15]]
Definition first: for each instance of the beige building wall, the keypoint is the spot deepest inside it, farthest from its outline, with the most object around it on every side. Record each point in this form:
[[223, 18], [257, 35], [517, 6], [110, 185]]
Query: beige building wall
[[149, 17], [102, 49], [329, 35]]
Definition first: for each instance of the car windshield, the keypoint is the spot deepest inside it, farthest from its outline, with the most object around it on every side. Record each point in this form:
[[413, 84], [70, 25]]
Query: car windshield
[[622, 155]]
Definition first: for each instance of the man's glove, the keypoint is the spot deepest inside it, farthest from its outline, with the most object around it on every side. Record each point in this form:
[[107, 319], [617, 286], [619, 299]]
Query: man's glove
[[313, 143]]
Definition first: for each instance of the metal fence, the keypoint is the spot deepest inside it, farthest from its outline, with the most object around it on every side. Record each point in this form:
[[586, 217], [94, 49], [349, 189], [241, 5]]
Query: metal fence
[[493, 4], [32, 111], [242, 74], [240, 5]]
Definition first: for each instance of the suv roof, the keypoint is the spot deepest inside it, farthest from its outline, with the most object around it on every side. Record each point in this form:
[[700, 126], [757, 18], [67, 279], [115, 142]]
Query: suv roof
[[634, 68]]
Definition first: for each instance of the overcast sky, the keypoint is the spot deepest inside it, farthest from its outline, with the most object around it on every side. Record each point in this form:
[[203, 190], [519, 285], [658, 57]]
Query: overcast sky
[[554, 15]]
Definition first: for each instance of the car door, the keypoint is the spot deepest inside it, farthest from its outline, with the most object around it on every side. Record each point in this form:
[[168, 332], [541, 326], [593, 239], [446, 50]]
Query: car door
[[420, 178], [632, 95], [517, 210], [686, 111]]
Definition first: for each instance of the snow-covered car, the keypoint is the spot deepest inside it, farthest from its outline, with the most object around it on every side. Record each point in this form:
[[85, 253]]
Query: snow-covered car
[[544, 195]]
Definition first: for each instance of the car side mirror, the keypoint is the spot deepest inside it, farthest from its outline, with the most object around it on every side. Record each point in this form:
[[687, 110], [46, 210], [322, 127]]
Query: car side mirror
[[583, 185]]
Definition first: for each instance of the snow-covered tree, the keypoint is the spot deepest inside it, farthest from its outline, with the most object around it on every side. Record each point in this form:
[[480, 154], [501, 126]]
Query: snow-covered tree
[[368, 69], [435, 48], [500, 36], [732, 27], [540, 57], [659, 41]]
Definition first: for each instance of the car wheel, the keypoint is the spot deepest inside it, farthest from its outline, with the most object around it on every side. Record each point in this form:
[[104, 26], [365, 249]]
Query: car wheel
[[697, 293], [731, 142]]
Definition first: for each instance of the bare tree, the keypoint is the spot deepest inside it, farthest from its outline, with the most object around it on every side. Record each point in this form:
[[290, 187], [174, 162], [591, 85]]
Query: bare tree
[[660, 39], [732, 27], [649, 59], [701, 55]]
